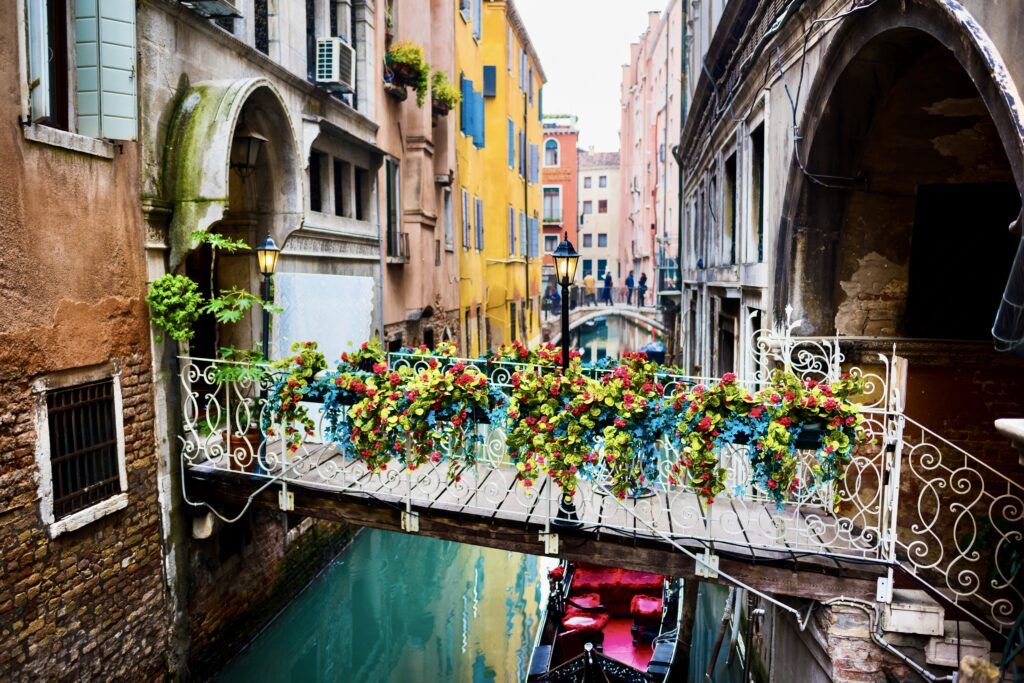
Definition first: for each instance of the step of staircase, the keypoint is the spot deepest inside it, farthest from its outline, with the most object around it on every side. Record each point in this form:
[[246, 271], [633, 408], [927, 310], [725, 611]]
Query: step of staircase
[[914, 612], [942, 650]]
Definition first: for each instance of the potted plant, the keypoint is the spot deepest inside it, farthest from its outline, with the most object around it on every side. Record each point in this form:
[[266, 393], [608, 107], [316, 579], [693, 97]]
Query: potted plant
[[174, 306], [408, 66], [443, 95]]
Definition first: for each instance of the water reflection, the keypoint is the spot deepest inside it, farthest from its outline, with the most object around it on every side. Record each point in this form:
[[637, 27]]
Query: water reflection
[[613, 336], [400, 608]]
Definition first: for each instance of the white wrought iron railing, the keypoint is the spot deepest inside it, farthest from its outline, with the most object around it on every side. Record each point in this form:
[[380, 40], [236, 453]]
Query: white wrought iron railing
[[909, 499]]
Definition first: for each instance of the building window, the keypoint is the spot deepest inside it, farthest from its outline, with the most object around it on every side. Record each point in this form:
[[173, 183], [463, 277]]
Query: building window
[[757, 190], [49, 62], [394, 207], [602, 239], [362, 193], [551, 152], [552, 204], [449, 237], [588, 182], [550, 243], [340, 183], [80, 453], [602, 181], [511, 231], [602, 267], [729, 211], [465, 220], [478, 205], [588, 241], [602, 206], [316, 201], [464, 10], [512, 320], [588, 267], [588, 207]]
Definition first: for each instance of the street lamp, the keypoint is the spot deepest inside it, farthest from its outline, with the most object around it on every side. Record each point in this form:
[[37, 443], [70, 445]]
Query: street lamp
[[245, 151], [266, 255], [566, 260]]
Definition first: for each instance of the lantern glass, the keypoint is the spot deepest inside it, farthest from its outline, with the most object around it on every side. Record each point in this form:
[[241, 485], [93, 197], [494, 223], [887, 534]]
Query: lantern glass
[[245, 150], [267, 254], [566, 260]]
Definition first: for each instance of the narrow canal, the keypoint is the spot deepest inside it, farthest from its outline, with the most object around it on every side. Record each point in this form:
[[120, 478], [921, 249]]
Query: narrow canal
[[396, 608]]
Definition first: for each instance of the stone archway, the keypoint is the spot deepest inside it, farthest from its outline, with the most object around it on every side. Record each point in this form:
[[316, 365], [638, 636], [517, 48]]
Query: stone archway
[[911, 101], [210, 195]]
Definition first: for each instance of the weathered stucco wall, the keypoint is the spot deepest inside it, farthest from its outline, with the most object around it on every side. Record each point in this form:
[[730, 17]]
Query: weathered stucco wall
[[89, 603]]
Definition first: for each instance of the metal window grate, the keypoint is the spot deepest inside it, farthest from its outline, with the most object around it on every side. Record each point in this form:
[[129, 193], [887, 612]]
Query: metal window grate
[[83, 446]]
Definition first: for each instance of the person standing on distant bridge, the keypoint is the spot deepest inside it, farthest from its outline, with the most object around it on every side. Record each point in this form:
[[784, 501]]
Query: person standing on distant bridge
[[630, 284], [589, 289], [606, 291], [641, 290]]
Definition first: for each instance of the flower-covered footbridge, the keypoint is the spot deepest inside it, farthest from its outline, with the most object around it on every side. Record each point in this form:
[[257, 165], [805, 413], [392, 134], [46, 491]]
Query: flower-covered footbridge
[[801, 478]]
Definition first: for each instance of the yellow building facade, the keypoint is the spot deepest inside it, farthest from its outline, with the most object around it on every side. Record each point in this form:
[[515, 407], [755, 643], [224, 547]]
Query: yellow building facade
[[497, 180]]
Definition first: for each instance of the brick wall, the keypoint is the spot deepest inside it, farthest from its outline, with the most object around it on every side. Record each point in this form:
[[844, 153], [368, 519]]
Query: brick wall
[[90, 603], [245, 574]]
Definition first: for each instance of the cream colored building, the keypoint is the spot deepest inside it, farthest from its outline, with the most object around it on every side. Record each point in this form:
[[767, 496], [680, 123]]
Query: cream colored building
[[600, 225]]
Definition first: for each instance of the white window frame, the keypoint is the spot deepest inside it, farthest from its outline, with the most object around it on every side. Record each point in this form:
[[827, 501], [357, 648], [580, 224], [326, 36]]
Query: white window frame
[[119, 501], [588, 182], [561, 204], [558, 154], [602, 181]]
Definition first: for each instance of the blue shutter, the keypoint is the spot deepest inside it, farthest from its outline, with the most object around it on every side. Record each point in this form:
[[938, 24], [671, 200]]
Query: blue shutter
[[105, 100], [540, 103], [478, 120], [534, 237], [478, 18], [511, 144], [522, 234], [490, 81], [534, 164], [466, 108], [479, 224], [511, 231]]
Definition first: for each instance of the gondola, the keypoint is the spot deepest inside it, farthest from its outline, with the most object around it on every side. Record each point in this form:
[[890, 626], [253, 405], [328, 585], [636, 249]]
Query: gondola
[[606, 624]]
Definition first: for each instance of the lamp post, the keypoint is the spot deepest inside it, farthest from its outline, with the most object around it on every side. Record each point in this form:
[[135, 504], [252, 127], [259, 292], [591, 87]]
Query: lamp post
[[566, 260], [267, 254]]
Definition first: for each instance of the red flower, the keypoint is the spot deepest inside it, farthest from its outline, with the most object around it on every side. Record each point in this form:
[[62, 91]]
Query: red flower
[[729, 378], [379, 368], [620, 423]]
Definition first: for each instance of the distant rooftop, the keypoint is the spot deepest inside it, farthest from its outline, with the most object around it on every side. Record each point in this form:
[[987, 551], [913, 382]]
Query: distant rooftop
[[598, 159], [560, 121]]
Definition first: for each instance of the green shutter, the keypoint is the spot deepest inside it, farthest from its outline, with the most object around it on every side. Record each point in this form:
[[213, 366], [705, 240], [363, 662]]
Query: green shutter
[[105, 68]]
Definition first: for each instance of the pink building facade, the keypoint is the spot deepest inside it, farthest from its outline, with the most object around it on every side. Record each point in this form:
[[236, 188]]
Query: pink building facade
[[653, 108]]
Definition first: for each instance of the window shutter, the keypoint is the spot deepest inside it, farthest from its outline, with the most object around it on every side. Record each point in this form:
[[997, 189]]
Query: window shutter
[[511, 144], [540, 104], [490, 81], [479, 224], [478, 120], [466, 108], [38, 56], [465, 220], [478, 18], [534, 237], [522, 234], [511, 231], [534, 164], [105, 69]]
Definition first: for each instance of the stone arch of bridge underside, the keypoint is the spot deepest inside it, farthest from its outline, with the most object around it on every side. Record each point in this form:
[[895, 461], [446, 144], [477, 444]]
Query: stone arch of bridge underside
[[577, 323], [913, 133]]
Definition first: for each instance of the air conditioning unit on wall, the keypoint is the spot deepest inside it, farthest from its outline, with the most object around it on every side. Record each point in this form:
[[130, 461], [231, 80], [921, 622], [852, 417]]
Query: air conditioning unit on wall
[[217, 8], [335, 64]]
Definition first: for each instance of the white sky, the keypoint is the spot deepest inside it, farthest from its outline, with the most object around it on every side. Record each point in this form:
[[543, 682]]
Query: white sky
[[582, 45]]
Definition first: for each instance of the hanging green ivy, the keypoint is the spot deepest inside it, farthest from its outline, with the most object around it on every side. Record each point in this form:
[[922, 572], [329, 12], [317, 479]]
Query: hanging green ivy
[[174, 306]]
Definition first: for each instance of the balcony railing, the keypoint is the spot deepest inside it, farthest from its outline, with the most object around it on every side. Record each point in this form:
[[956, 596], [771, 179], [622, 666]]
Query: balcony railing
[[398, 247], [553, 218]]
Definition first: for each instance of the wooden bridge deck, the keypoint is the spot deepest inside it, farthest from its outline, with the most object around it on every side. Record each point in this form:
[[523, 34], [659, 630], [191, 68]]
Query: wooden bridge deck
[[787, 552]]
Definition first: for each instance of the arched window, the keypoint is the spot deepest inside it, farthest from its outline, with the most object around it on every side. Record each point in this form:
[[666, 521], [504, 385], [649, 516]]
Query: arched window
[[551, 153]]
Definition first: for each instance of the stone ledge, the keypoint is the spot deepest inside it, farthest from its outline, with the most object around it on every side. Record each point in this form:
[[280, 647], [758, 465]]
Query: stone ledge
[[89, 515], [70, 141]]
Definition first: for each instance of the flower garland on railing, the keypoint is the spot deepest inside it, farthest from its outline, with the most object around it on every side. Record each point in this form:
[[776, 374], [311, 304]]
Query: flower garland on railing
[[295, 385], [606, 422], [634, 416], [712, 418]]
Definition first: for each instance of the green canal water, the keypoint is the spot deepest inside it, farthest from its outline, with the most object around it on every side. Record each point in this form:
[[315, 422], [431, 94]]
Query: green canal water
[[398, 608]]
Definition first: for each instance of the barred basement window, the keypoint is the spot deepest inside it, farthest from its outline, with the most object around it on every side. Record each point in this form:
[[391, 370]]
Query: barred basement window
[[83, 446]]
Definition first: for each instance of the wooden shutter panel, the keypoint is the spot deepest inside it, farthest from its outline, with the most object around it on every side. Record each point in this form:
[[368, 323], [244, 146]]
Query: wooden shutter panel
[[105, 101], [478, 119], [490, 81], [466, 108]]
